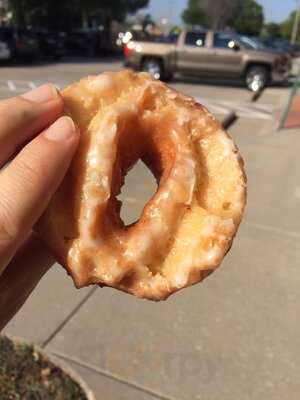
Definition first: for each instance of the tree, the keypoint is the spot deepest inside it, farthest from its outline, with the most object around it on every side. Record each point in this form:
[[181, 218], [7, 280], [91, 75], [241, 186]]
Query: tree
[[54, 14], [219, 12], [245, 16], [71, 13], [272, 29], [115, 10], [211, 14], [194, 14], [287, 26], [248, 17]]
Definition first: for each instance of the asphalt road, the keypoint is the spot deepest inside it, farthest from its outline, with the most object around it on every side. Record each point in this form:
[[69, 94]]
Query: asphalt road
[[234, 337]]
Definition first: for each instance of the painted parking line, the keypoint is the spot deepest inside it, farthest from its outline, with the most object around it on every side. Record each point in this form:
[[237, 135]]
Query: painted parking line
[[242, 109], [11, 86], [19, 86], [32, 85]]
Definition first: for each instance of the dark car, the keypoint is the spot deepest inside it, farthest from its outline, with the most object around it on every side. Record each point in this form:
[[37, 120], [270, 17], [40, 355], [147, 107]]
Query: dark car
[[22, 43], [279, 44], [81, 43], [51, 44]]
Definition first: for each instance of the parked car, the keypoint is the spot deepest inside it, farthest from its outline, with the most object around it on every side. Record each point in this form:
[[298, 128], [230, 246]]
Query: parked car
[[82, 43], [51, 44], [22, 43], [5, 53], [210, 54], [279, 44]]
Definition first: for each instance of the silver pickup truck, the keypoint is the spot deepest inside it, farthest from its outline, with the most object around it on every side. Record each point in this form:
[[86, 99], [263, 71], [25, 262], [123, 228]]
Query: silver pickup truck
[[210, 54]]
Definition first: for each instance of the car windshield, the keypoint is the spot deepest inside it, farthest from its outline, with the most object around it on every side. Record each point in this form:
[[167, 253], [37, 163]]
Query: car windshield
[[251, 43]]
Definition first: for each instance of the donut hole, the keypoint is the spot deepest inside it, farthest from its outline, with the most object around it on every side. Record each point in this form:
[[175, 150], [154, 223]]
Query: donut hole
[[139, 187], [144, 159]]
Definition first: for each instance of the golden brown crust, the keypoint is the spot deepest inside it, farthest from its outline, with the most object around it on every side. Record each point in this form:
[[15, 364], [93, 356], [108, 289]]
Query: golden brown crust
[[186, 228]]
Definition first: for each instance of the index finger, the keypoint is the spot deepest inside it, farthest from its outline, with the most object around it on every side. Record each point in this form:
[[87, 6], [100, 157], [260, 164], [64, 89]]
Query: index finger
[[30, 180], [23, 117]]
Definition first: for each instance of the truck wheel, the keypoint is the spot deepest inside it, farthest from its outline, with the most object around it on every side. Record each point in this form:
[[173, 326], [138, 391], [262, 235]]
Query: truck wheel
[[154, 68], [257, 77]]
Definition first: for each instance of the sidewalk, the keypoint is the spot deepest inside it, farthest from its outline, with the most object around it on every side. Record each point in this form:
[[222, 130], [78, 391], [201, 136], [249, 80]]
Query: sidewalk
[[234, 337]]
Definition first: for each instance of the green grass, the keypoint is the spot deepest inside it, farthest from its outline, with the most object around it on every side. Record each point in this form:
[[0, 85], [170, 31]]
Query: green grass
[[26, 375]]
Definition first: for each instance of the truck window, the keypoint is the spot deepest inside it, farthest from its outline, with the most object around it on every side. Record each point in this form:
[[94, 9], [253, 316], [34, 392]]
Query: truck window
[[251, 43], [223, 41], [195, 39]]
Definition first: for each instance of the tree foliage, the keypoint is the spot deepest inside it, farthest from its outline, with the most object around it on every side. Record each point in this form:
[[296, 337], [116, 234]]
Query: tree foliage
[[219, 12], [272, 29], [66, 14], [287, 26], [194, 14], [243, 15], [46, 13], [248, 17], [211, 14]]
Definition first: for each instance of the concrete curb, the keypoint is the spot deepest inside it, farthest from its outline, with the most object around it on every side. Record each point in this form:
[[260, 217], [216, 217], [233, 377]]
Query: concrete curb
[[110, 375], [59, 363]]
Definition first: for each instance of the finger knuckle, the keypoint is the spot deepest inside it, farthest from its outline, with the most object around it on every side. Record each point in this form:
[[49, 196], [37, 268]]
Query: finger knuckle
[[29, 171]]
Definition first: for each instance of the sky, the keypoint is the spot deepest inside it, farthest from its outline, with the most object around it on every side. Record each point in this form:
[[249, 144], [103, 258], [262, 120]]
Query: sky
[[275, 10]]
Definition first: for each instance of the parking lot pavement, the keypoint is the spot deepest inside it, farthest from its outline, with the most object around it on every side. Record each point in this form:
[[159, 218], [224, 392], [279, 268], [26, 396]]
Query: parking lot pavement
[[220, 98], [235, 336]]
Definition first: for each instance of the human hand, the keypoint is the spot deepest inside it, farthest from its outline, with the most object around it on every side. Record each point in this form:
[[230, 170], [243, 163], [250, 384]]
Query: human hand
[[40, 144]]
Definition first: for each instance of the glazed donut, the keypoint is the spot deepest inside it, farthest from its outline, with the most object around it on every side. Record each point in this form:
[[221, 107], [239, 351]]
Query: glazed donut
[[185, 229]]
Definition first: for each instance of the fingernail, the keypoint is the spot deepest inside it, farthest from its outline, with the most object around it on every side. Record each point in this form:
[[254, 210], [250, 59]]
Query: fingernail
[[42, 94], [62, 130]]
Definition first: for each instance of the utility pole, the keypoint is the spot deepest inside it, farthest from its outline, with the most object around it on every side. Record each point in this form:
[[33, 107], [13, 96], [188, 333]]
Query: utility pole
[[296, 25]]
